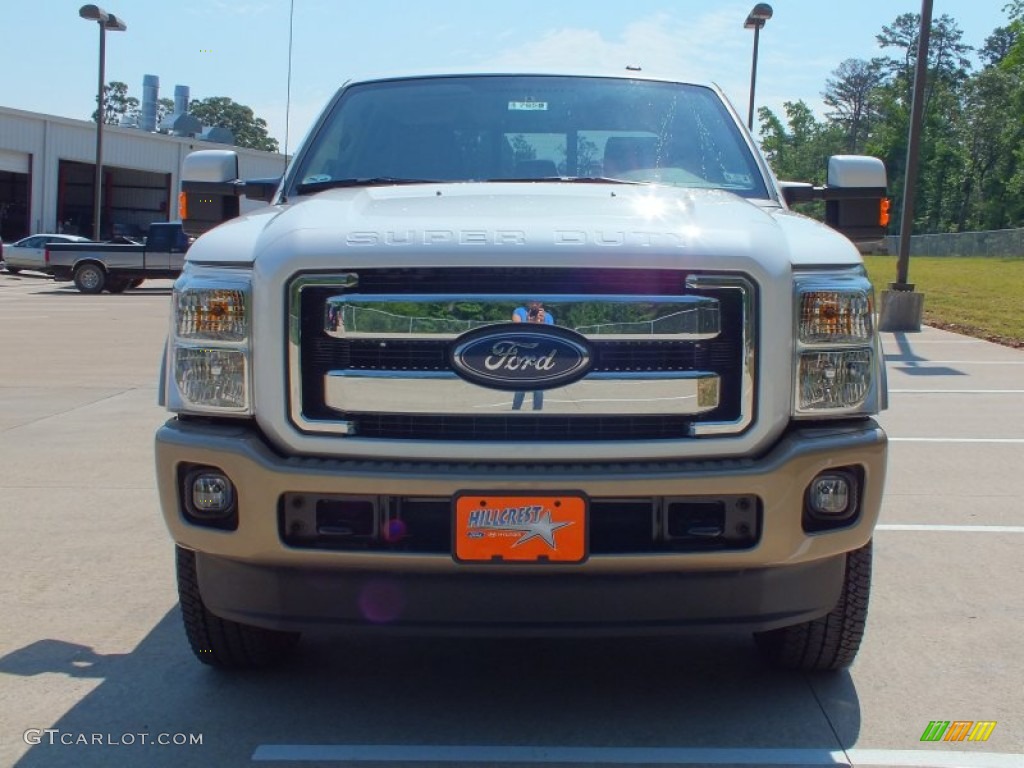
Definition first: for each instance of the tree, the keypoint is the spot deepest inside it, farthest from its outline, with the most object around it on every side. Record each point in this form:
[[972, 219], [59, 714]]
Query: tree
[[948, 60], [221, 111], [902, 35], [799, 150], [164, 109], [988, 140], [1008, 177], [852, 95], [998, 45], [117, 103], [947, 55], [1014, 56], [522, 149]]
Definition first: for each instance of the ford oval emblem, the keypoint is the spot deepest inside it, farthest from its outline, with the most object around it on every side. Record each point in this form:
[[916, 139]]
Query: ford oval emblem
[[520, 356]]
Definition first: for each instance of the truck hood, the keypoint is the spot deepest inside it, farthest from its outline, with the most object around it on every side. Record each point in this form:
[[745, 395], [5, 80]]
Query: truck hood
[[540, 224]]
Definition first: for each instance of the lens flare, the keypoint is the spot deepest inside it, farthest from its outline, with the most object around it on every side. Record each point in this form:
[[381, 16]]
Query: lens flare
[[381, 602]]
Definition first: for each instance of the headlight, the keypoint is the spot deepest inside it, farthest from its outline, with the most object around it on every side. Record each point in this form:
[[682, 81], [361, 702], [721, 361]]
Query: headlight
[[830, 380], [837, 356], [214, 314], [210, 350], [215, 378], [829, 317]]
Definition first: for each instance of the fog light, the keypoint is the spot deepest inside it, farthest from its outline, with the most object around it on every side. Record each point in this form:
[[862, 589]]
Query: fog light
[[830, 495], [212, 494]]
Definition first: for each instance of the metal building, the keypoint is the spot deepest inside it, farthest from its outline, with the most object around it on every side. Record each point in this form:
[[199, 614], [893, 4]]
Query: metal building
[[47, 175]]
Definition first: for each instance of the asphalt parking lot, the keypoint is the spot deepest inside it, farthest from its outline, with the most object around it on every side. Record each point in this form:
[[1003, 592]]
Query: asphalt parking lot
[[95, 669]]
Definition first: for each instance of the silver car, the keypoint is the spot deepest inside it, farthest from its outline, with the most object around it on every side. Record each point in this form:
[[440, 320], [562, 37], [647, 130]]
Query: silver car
[[30, 252]]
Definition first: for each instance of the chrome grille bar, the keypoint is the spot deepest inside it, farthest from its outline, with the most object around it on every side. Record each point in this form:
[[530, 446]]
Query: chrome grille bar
[[443, 392]]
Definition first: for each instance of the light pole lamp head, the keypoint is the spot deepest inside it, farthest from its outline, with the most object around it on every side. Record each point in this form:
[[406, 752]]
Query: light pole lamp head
[[108, 20], [758, 16]]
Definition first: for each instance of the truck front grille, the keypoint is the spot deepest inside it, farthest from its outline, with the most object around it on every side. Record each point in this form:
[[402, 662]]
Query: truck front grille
[[671, 354]]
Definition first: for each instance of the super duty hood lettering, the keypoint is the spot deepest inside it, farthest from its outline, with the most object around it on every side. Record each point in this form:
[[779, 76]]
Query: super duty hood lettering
[[514, 237]]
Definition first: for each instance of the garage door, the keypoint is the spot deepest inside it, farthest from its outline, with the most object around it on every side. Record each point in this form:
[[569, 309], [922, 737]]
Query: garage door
[[13, 162]]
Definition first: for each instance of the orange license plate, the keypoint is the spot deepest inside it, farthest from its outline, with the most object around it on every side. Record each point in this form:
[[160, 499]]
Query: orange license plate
[[520, 529]]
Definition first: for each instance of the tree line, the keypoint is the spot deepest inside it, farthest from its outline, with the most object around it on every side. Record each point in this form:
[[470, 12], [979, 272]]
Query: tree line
[[971, 174]]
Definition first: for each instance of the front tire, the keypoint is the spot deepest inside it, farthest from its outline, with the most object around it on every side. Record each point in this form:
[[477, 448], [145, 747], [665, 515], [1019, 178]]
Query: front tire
[[12, 270], [220, 642], [90, 278], [831, 642]]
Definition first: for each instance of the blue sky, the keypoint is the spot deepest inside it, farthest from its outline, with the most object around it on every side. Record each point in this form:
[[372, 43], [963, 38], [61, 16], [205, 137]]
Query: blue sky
[[239, 48]]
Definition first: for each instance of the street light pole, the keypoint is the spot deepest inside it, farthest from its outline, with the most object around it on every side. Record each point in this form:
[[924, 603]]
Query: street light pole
[[105, 21], [755, 20], [902, 306], [913, 140]]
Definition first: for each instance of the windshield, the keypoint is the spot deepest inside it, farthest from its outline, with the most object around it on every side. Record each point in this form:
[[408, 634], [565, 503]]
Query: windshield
[[498, 128]]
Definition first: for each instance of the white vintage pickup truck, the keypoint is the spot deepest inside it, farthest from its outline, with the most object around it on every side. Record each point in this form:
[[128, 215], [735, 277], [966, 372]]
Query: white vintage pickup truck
[[542, 354]]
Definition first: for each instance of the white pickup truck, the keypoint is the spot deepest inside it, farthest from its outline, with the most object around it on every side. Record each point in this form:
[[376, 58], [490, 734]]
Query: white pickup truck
[[537, 354]]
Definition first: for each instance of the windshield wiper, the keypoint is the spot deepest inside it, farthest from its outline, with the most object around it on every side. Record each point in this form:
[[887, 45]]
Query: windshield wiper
[[371, 181], [384, 181], [601, 180], [570, 180]]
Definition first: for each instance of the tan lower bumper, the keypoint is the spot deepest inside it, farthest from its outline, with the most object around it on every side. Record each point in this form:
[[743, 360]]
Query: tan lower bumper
[[779, 478]]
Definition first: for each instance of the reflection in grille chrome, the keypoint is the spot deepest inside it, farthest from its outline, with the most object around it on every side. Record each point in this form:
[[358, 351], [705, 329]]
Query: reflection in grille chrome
[[440, 316], [673, 354]]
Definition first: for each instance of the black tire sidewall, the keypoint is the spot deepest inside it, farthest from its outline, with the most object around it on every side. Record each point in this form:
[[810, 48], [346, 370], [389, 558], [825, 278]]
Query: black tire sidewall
[[84, 269]]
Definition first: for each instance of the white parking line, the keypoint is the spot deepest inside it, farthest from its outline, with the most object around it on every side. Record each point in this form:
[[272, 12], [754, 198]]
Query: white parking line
[[52, 307], [996, 440], [936, 341], [475, 755], [956, 391], [953, 528], [924, 364], [921, 758]]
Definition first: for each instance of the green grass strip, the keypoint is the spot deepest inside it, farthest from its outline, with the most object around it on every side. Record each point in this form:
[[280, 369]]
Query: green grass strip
[[981, 297]]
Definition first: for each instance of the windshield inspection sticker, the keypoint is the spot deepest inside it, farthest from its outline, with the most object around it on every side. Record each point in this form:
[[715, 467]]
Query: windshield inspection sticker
[[737, 178], [528, 106]]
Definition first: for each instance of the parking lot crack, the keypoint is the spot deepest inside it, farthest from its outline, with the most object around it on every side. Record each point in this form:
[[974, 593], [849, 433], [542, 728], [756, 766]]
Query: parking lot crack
[[828, 719], [109, 395]]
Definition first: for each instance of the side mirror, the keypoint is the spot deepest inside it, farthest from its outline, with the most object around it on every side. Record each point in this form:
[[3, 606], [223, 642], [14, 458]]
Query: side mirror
[[855, 201], [860, 209], [210, 190]]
